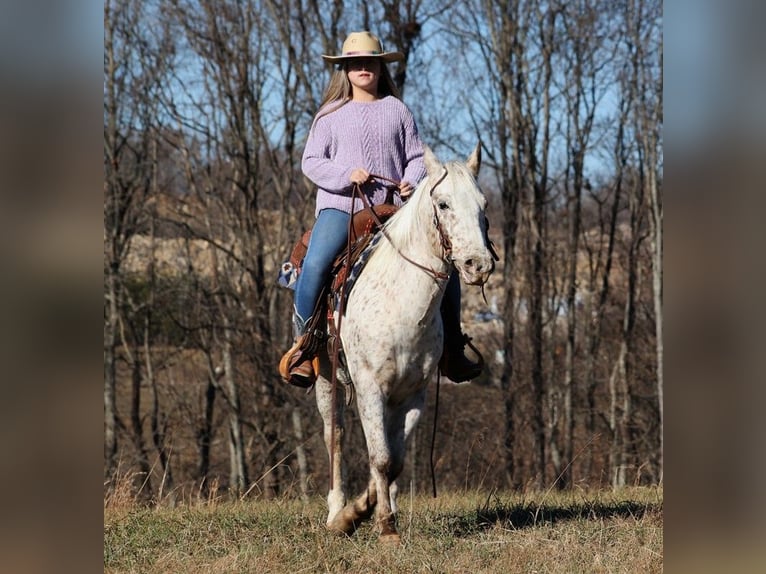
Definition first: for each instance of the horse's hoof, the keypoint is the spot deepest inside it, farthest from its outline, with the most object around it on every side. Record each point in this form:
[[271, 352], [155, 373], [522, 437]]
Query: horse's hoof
[[340, 533], [341, 527], [390, 539]]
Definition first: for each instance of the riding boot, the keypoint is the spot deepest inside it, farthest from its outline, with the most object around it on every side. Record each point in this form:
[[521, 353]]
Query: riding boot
[[453, 363], [299, 365]]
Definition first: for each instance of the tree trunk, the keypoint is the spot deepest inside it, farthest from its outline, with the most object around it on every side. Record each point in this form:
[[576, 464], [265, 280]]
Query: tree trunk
[[657, 273], [110, 393], [575, 202], [535, 333], [623, 379], [110, 264], [617, 415], [156, 416], [300, 453], [143, 481], [237, 468], [205, 434], [159, 441]]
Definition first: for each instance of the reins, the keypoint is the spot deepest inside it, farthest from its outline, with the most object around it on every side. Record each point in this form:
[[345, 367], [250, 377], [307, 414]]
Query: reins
[[341, 312], [445, 242], [433, 432], [357, 191]]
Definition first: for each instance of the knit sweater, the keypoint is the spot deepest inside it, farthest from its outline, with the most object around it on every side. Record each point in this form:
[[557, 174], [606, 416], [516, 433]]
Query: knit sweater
[[379, 136]]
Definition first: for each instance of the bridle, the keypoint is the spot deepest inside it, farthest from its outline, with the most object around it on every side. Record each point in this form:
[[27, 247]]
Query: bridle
[[444, 239]]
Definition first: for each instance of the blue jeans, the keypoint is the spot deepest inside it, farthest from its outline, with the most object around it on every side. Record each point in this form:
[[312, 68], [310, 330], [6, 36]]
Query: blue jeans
[[328, 237]]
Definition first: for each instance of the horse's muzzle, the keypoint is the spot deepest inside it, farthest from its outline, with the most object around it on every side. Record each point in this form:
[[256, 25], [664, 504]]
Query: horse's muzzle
[[476, 270]]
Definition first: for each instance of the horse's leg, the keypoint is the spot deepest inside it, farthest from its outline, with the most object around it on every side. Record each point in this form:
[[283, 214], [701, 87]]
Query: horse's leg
[[399, 432], [353, 514], [372, 413], [348, 519], [336, 497]]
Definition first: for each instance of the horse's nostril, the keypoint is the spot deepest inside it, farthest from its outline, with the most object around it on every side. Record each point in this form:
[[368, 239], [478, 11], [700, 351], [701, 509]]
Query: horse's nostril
[[469, 263]]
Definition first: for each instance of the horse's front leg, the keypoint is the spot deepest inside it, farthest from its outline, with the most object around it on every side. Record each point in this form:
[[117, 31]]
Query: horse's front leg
[[333, 439], [372, 413], [402, 423]]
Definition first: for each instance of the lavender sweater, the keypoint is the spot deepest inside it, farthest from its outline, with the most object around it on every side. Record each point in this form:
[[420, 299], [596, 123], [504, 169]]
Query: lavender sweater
[[379, 136]]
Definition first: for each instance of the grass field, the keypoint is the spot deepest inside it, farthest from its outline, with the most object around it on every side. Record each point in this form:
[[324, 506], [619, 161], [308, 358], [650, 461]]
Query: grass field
[[571, 532]]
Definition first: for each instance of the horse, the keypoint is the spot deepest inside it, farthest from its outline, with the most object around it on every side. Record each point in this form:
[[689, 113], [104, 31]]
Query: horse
[[392, 333]]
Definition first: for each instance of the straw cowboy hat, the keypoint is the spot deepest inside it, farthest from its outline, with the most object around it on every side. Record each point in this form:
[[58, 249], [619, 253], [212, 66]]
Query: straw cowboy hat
[[363, 45]]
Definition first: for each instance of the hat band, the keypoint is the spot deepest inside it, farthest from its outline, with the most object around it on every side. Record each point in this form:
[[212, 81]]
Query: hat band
[[363, 52]]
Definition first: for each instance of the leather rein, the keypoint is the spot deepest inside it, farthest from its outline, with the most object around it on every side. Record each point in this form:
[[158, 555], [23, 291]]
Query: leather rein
[[444, 240]]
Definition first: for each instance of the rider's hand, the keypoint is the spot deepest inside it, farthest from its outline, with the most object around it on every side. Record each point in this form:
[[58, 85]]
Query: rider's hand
[[359, 175], [405, 189]]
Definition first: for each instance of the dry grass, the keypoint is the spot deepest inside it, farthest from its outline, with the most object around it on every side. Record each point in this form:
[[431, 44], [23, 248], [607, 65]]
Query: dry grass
[[600, 531]]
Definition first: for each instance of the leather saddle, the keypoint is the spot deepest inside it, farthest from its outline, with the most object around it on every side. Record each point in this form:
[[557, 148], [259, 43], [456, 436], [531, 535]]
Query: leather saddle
[[364, 225]]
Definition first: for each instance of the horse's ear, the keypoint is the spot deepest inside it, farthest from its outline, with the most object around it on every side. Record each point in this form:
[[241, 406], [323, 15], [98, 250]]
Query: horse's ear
[[474, 160], [431, 162]]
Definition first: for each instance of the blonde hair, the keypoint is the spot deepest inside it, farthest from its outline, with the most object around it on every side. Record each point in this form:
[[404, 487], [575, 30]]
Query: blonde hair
[[340, 90]]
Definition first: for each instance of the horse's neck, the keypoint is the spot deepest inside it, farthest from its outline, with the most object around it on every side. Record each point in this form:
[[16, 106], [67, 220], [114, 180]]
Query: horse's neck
[[410, 259], [420, 265], [416, 292]]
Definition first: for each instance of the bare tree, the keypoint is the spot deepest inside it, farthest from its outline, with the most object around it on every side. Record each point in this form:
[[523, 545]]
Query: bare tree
[[404, 19], [585, 28], [524, 38], [520, 124], [551, 69], [132, 71], [259, 71], [643, 86], [646, 39]]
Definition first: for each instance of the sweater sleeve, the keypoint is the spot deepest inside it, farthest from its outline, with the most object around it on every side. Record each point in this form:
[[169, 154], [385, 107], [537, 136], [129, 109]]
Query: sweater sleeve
[[415, 169], [317, 165]]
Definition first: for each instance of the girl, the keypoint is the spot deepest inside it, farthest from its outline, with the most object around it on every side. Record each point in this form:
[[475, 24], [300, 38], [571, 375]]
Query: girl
[[362, 128]]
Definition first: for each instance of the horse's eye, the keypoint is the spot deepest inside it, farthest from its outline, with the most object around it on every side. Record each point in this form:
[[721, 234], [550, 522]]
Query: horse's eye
[[443, 205]]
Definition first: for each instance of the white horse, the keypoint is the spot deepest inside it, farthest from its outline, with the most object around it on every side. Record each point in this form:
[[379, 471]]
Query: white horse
[[392, 332]]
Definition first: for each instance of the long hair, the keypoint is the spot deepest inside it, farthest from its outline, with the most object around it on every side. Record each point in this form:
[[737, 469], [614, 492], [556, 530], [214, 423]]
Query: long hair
[[340, 90]]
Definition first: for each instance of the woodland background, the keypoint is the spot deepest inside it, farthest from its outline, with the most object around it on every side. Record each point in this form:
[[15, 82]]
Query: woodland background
[[206, 109]]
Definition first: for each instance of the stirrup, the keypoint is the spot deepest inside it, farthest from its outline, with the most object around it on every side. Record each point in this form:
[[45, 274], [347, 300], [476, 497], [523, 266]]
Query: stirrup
[[467, 340], [297, 367]]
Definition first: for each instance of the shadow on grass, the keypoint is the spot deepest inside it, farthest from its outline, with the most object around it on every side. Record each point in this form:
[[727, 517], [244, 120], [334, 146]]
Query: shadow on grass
[[519, 516]]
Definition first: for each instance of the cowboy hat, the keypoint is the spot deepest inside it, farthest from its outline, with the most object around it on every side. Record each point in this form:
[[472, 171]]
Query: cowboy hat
[[364, 45]]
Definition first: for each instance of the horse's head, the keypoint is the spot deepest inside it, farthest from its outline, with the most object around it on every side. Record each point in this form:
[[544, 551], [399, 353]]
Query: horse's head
[[459, 208]]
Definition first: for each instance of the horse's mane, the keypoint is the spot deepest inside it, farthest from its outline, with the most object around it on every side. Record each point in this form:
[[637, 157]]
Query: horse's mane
[[403, 228], [406, 227]]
